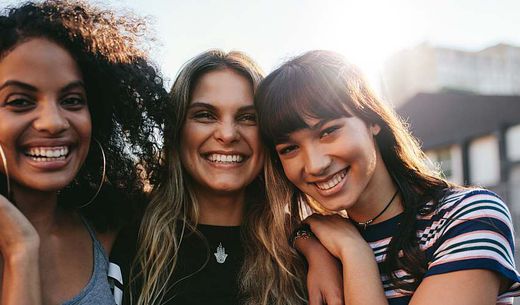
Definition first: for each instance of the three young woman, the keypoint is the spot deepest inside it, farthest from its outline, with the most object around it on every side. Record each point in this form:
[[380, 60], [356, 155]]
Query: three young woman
[[68, 75], [77, 98], [411, 237]]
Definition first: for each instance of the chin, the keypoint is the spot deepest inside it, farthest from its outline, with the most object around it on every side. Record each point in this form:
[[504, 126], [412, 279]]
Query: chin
[[48, 184], [335, 205], [227, 187]]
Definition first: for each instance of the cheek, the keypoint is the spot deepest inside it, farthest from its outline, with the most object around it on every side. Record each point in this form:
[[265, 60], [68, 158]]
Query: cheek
[[82, 123], [11, 130], [83, 126], [251, 134], [290, 170]]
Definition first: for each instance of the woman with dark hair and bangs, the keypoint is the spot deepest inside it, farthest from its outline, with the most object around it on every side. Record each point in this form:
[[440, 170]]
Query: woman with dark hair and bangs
[[80, 109], [410, 236]]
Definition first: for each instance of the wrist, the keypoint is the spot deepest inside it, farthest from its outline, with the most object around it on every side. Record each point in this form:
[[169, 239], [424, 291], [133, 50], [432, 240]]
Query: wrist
[[354, 248], [303, 232], [22, 253], [311, 249]]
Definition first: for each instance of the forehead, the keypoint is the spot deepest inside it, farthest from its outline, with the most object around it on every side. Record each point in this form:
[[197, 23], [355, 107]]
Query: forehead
[[223, 88], [39, 62]]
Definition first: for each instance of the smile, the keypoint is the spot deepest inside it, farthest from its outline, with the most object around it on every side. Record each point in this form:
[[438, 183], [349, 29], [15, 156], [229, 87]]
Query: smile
[[47, 154], [225, 159], [333, 181]]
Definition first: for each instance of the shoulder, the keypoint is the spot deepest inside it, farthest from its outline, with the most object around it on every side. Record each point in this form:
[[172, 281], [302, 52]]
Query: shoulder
[[471, 229], [469, 203], [465, 213], [464, 205], [470, 222]]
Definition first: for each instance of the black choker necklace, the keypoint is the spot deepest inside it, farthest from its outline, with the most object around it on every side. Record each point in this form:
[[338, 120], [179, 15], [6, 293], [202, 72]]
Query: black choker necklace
[[366, 223]]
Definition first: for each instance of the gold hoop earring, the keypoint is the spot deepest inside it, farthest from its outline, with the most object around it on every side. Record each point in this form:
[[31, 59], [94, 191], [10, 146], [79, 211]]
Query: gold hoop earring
[[6, 170], [102, 176]]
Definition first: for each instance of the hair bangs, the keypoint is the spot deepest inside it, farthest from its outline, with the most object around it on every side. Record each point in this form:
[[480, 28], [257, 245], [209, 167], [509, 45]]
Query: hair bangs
[[292, 96]]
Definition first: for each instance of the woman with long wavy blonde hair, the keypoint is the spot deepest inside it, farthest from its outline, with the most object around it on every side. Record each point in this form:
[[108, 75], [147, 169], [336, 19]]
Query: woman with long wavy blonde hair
[[204, 236]]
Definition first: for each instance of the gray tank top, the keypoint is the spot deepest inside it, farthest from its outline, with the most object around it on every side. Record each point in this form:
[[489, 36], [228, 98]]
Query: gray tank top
[[97, 291]]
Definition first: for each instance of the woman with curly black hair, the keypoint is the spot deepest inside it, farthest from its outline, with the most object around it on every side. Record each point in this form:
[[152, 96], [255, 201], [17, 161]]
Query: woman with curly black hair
[[80, 111]]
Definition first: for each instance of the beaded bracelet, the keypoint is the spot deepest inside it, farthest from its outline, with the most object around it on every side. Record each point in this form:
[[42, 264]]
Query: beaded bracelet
[[302, 232]]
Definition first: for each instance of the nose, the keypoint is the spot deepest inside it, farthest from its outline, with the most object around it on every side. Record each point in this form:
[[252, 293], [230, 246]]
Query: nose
[[227, 132], [316, 161], [51, 119]]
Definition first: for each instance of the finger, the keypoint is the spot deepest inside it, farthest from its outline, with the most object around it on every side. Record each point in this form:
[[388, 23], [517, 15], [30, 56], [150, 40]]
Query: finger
[[333, 299], [313, 219], [315, 297]]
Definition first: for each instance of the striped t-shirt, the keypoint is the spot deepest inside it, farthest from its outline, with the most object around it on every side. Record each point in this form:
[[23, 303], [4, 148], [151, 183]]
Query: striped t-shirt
[[469, 229]]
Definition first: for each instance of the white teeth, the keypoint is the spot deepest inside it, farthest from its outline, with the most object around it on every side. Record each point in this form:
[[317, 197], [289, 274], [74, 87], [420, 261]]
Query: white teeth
[[332, 182], [47, 159], [44, 153], [225, 158]]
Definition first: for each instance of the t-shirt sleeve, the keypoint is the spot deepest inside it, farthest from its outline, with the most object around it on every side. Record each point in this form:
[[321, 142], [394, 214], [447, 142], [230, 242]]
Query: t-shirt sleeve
[[121, 258], [477, 234]]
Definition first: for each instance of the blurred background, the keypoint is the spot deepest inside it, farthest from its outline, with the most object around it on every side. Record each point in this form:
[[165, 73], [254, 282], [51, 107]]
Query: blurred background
[[451, 68]]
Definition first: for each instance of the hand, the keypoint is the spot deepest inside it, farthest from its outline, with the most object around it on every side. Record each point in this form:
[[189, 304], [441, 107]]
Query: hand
[[17, 235], [335, 233]]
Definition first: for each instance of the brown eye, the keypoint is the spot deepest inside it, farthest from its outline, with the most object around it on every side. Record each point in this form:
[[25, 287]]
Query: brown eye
[[249, 118], [73, 102], [20, 103], [328, 131], [203, 116], [287, 149]]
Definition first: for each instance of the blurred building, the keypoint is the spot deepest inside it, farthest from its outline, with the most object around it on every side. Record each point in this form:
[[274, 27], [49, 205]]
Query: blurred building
[[475, 139], [491, 71]]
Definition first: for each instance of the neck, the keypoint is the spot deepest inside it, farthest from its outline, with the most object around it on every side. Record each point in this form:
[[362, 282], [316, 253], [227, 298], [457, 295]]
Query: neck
[[40, 208], [375, 198], [221, 209]]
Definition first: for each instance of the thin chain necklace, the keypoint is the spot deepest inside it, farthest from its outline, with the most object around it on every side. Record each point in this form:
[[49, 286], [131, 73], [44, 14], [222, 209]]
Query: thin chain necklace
[[366, 223]]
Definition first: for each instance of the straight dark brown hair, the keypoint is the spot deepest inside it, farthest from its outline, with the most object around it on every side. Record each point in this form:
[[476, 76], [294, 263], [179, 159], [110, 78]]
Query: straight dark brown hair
[[322, 85]]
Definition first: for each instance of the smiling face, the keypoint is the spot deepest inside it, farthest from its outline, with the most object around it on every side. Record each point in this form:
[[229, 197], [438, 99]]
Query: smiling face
[[45, 123], [334, 161], [220, 145]]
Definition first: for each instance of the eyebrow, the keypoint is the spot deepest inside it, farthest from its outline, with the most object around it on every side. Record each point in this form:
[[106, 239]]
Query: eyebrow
[[202, 105], [73, 85], [319, 124], [247, 108], [213, 108], [15, 83]]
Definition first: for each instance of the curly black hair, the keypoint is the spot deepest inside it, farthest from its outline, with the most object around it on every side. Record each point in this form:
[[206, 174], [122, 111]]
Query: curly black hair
[[126, 100]]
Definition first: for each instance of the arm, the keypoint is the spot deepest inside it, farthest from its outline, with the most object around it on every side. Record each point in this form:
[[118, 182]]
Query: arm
[[360, 270], [473, 260], [472, 263], [324, 281], [19, 245], [468, 287]]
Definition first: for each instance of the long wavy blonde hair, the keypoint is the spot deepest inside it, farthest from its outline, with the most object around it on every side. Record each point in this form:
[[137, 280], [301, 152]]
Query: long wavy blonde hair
[[271, 272]]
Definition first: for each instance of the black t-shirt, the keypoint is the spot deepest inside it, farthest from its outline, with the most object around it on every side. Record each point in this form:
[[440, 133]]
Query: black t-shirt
[[215, 282], [206, 271]]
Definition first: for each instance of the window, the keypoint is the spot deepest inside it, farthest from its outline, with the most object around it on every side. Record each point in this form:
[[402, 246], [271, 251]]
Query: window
[[449, 161], [513, 143], [484, 161]]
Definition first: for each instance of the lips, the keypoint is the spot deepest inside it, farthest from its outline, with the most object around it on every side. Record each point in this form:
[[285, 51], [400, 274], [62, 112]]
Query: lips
[[333, 181]]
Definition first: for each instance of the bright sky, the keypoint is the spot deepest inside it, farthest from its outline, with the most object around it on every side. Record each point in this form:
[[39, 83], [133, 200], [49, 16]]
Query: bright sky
[[365, 31]]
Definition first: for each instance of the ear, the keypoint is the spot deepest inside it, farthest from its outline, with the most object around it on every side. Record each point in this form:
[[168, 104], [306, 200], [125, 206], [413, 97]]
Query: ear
[[375, 129]]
